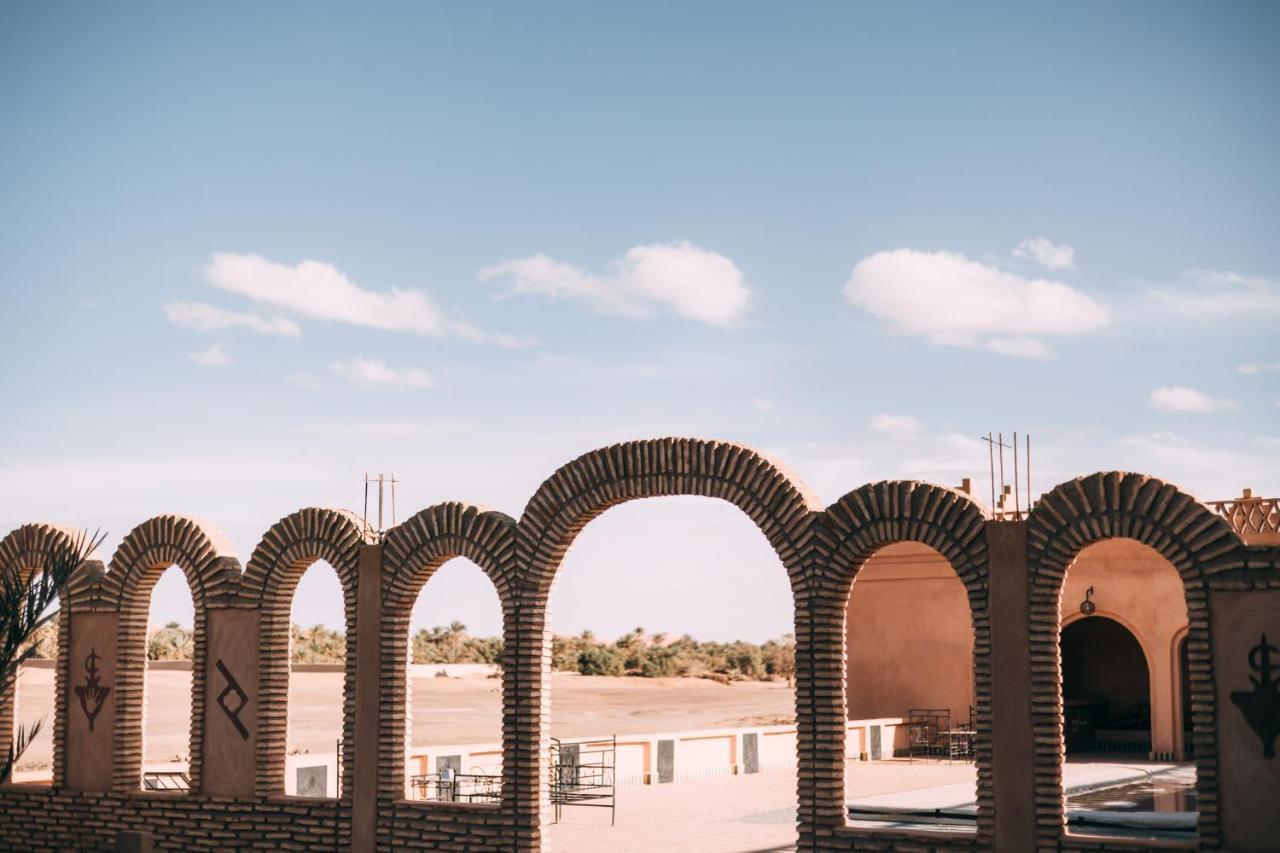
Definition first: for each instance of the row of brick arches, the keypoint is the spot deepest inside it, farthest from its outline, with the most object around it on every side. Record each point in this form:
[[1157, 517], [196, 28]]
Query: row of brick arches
[[821, 548]]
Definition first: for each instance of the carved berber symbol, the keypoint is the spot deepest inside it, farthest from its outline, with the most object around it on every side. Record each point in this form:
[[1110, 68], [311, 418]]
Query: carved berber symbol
[[242, 699], [93, 695], [1261, 705]]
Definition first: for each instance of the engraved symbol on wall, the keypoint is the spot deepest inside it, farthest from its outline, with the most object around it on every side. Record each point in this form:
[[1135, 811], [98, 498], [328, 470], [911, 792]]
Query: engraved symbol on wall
[[1261, 705], [239, 699], [93, 695]]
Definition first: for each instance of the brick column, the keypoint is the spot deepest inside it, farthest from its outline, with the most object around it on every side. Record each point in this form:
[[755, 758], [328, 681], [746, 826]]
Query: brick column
[[364, 754], [1247, 778], [231, 725], [1012, 743], [92, 664]]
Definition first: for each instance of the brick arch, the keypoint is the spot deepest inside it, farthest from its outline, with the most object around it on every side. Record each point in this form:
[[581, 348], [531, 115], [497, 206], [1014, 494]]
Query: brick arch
[[780, 506], [412, 552], [581, 490], [21, 553], [286, 551], [1194, 539], [850, 531], [213, 574]]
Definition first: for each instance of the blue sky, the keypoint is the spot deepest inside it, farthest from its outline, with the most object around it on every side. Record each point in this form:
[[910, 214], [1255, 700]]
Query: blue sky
[[250, 252]]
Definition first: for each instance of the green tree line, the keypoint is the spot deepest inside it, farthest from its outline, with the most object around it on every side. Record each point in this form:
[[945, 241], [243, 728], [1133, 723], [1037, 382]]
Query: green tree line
[[636, 653]]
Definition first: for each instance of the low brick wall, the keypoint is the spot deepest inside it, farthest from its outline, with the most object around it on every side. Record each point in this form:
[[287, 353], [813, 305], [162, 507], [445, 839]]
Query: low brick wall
[[1012, 572]]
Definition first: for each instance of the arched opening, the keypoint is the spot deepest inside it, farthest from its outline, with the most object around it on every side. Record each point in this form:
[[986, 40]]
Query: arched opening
[[911, 741], [1106, 688], [454, 685], [672, 683], [1124, 694], [167, 684], [32, 700], [317, 678]]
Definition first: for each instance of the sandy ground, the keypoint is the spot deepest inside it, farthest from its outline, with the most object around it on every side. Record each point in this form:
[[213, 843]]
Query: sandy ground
[[451, 710]]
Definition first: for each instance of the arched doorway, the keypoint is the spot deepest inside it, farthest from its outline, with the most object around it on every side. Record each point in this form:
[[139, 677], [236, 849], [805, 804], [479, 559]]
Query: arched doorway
[[1106, 688]]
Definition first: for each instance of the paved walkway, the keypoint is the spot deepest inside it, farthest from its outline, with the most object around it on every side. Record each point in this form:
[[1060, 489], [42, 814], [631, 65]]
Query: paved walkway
[[729, 814], [756, 814]]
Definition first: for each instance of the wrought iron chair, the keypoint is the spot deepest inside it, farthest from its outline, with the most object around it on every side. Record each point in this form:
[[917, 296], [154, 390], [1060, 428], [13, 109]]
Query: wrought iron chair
[[926, 732]]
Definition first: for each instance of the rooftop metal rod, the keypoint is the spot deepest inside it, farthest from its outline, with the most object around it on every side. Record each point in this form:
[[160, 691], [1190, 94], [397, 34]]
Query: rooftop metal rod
[[1017, 501]]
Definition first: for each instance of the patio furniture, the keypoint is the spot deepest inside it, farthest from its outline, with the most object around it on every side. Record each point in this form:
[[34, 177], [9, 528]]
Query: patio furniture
[[926, 732]]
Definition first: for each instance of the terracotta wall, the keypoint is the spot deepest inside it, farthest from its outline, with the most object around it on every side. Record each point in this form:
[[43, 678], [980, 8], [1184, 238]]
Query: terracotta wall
[[910, 636], [910, 601]]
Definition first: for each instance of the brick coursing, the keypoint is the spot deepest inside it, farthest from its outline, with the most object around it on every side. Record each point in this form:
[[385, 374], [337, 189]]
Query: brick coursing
[[821, 548]]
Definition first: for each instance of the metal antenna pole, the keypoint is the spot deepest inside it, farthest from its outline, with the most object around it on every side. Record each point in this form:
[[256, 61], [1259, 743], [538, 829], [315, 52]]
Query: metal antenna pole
[[379, 503], [366, 499], [1002, 446], [1017, 501], [991, 467], [1029, 492]]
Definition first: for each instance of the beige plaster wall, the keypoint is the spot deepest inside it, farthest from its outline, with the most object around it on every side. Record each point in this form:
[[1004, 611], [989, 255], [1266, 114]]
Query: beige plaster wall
[[914, 609], [910, 636]]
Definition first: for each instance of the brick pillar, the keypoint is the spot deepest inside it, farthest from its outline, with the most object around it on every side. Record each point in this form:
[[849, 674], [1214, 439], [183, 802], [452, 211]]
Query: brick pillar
[[1012, 743], [1247, 779], [231, 725], [364, 754], [92, 667]]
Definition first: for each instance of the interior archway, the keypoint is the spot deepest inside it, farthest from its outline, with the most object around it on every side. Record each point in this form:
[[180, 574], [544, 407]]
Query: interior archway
[[1106, 687]]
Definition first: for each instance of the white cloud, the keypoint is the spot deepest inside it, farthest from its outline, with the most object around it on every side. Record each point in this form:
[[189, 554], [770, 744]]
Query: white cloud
[[948, 299], [1216, 294], [209, 318], [374, 371], [897, 425], [1256, 367], [1178, 398], [680, 277], [761, 405], [1045, 253], [320, 290], [214, 356]]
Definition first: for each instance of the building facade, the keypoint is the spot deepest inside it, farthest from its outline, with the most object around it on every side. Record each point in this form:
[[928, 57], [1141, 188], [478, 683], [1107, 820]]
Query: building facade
[[1124, 624]]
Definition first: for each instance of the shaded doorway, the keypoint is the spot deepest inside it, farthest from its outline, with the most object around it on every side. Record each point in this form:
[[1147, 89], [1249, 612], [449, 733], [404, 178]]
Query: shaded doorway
[[1106, 688]]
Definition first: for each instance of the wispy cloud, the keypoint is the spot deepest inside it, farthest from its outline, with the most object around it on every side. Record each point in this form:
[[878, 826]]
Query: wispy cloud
[[901, 426], [1256, 367], [1217, 294], [214, 356], [320, 290], [209, 318], [1045, 253], [1178, 398], [385, 429], [375, 372], [950, 300], [679, 277]]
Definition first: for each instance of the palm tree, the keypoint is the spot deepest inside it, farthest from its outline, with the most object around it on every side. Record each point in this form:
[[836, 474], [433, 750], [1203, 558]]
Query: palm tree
[[26, 606]]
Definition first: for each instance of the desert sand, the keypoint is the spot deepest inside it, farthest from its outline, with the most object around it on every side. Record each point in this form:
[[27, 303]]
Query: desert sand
[[450, 710]]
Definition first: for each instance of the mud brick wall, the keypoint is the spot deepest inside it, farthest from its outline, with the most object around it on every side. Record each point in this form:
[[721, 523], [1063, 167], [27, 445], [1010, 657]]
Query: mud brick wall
[[1012, 570]]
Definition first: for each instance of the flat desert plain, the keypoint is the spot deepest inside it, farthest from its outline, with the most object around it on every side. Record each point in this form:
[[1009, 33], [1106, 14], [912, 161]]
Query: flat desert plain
[[450, 710]]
